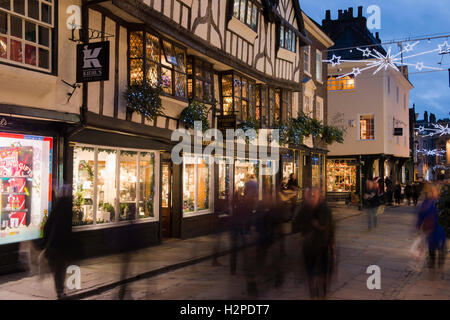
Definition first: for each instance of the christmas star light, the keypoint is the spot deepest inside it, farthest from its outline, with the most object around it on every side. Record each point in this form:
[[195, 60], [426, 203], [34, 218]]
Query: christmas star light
[[388, 61], [444, 48], [431, 153], [438, 129]]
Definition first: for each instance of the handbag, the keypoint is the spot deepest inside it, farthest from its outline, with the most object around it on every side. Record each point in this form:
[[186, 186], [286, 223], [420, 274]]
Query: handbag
[[418, 253], [380, 210]]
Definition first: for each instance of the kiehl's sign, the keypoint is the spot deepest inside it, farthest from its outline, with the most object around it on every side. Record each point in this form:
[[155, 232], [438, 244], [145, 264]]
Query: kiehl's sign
[[93, 62]]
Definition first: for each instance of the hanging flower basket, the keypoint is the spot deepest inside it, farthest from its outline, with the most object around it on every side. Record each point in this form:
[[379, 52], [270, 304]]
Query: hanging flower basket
[[195, 111], [331, 134], [250, 124], [144, 99]]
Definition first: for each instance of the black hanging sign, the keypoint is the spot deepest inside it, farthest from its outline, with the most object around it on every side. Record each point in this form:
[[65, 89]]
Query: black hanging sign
[[226, 122], [93, 62], [398, 131]]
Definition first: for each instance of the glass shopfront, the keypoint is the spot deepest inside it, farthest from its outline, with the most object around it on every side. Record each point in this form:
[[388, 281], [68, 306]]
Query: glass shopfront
[[293, 162], [341, 176], [318, 171], [112, 185], [25, 183], [197, 181], [244, 171]]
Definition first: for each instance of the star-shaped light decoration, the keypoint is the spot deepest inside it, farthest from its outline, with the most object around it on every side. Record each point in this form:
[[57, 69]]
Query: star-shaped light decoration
[[356, 71], [388, 61], [444, 48], [419, 66], [366, 52], [335, 61]]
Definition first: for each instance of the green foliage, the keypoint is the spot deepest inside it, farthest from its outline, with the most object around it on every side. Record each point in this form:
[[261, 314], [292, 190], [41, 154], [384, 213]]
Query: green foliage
[[145, 99], [195, 111], [250, 124], [444, 209], [331, 134], [85, 166], [295, 130]]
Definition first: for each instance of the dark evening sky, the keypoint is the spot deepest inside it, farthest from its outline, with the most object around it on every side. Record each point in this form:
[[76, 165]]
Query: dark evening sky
[[402, 19]]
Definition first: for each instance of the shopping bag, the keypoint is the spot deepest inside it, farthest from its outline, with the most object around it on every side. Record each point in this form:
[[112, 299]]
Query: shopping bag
[[418, 253], [380, 210]]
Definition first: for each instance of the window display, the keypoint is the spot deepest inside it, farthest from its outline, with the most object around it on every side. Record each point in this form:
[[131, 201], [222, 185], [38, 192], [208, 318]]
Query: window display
[[196, 184], [244, 170], [25, 183], [341, 176], [225, 180], [119, 183]]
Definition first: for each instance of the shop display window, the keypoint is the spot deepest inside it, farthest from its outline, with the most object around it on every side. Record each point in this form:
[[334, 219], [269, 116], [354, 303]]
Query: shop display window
[[119, 183], [225, 180], [268, 186], [244, 170], [196, 184], [106, 185], [25, 184], [341, 176]]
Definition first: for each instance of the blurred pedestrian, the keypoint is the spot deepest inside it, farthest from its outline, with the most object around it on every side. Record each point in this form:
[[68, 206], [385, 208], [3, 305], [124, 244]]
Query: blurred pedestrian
[[58, 238], [416, 193], [398, 193], [389, 191], [408, 193], [318, 231], [428, 223], [238, 225], [372, 203]]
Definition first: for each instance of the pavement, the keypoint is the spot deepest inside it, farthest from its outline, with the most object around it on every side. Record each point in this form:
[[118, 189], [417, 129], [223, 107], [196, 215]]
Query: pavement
[[387, 246]]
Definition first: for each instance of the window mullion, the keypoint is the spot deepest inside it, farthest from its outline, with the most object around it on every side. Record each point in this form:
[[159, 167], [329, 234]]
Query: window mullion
[[95, 202], [138, 187], [195, 184]]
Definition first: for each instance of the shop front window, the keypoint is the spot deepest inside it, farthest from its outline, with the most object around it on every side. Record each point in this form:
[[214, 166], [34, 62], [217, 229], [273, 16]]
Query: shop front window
[[147, 185], [225, 180], [83, 174], [196, 184], [106, 185], [244, 171], [112, 185], [25, 184], [315, 162], [128, 178], [267, 177], [341, 176]]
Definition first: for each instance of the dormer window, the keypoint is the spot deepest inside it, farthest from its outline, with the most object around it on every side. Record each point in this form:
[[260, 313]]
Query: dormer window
[[288, 39], [247, 12]]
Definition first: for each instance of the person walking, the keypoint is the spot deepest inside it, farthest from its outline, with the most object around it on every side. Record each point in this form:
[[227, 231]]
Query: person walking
[[416, 193], [389, 191], [408, 193], [58, 238], [428, 223], [318, 230], [372, 202], [398, 193]]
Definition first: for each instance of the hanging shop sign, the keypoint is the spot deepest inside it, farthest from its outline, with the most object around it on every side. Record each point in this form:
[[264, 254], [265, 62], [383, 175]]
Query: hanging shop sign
[[93, 62], [398, 131], [226, 122]]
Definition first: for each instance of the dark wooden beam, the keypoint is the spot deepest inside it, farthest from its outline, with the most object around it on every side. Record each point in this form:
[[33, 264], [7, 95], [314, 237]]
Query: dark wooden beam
[[164, 25]]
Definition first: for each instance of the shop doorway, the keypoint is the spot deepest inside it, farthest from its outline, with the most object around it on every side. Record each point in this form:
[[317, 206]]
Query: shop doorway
[[166, 199]]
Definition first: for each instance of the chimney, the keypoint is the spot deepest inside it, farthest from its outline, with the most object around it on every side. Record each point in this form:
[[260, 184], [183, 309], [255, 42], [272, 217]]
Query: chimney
[[339, 14], [328, 15], [360, 12], [350, 12], [377, 35]]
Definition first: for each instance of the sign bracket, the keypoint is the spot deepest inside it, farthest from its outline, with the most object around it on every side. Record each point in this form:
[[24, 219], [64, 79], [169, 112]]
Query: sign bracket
[[92, 34]]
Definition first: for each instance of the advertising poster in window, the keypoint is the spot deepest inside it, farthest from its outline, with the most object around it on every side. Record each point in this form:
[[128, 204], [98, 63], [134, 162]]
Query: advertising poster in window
[[25, 185]]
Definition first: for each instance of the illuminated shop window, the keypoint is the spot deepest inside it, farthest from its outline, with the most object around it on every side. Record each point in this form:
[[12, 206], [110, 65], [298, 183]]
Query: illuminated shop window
[[120, 184], [341, 176], [25, 186], [197, 179], [244, 171], [158, 61], [345, 83], [26, 32]]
